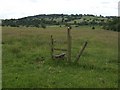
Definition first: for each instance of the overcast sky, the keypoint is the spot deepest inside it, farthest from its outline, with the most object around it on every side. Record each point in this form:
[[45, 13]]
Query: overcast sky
[[22, 8]]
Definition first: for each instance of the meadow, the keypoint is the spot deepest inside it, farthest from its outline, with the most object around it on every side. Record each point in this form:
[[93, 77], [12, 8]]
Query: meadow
[[26, 60]]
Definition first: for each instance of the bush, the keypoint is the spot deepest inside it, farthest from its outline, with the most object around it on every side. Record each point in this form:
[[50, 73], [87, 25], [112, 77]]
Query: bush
[[43, 26], [93, 27]]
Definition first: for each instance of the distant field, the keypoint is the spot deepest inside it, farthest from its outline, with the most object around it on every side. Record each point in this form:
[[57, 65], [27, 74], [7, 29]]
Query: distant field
[[27, 63]]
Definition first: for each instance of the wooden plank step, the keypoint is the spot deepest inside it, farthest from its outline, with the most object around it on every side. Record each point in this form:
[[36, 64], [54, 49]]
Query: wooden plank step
[[60, 55]]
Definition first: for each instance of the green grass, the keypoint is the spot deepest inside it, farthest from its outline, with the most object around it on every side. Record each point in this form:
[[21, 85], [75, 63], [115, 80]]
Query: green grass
[[27, 63]]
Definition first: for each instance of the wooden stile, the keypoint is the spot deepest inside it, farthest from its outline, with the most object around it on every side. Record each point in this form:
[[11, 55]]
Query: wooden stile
[[62, 55]]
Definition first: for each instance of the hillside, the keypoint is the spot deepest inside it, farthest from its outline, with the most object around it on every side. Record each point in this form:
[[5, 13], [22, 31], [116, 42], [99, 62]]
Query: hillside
[[44, 20]]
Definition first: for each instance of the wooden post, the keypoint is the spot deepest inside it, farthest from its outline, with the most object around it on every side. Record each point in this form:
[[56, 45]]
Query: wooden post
[[52, 47], [81, 51], [69, 45]]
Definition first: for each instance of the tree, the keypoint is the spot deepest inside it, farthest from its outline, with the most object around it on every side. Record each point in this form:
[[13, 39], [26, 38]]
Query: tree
[[63, 19], [43, 26], [75, 22], [93, 27]]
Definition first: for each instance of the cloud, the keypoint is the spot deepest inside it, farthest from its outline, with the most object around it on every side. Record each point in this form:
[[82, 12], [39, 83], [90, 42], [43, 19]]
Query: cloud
[[105, 2], [33, 1], [22, 8]]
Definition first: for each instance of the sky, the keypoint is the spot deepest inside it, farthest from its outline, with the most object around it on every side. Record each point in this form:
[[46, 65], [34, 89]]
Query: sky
[[22, 8]]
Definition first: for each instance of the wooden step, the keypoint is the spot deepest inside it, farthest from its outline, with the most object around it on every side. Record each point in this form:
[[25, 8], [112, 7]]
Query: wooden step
[[62, 55]]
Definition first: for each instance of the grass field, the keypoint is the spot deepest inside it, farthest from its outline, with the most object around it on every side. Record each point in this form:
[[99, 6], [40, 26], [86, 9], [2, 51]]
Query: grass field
[[27, 62]]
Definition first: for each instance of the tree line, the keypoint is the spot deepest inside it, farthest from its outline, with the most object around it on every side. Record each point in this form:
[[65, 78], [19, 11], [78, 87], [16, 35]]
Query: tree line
[[113, 25], [44, 20]]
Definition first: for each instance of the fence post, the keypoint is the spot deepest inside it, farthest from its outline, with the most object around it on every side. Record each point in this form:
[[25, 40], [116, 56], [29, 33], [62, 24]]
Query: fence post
[[69, 45], [52, 47]]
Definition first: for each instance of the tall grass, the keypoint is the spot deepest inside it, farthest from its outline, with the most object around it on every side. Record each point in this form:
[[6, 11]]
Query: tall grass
[[27, 62]]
